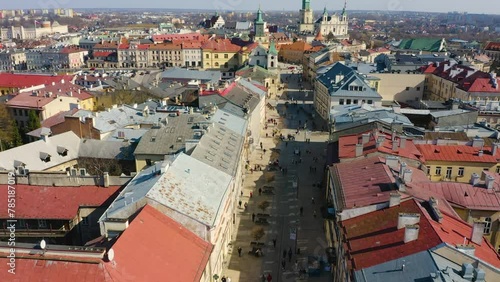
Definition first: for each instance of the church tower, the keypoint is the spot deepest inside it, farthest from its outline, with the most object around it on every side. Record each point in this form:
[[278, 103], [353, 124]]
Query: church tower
[[272, 57], [260, 29], [306, 17]]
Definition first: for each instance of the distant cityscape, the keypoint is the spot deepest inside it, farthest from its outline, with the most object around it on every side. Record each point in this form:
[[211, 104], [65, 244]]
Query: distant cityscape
[[215, 145]]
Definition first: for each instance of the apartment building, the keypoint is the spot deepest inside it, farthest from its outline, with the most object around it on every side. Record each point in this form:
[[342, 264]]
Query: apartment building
[[220, 54], [12, 59], [70, 57]]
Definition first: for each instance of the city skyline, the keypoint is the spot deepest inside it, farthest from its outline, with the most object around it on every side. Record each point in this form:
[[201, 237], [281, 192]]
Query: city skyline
[[478, 6]]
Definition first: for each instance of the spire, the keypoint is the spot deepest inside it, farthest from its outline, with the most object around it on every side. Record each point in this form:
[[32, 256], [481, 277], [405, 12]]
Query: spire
[[259, 18], [325, 12], [272, 49], [344, 12]]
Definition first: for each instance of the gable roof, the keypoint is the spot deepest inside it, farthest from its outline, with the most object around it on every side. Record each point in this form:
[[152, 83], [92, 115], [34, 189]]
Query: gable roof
[[373, 238], [29, 154], [182, 253], [28, 80], [48, 202]]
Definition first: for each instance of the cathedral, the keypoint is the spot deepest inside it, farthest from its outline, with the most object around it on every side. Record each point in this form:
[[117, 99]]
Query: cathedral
[[326, 24]]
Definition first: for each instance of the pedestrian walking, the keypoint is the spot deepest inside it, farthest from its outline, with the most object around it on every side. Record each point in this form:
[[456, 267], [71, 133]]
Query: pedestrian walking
[[251, 194], [246, 206], [290, 255], [263, 278], [239, 251], [283, 264], [269, 277], [312, 200], [314, 214], [253, 217], [261, 145], [274, 242], [301, 211], [241, 193], [296, 267]]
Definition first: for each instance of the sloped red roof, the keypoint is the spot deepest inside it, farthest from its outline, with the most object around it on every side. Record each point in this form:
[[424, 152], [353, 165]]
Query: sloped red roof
[[28, 100], [168, 249], [456, 153], [453, 230], [47, 202], [347, 146], [220, 45], [34, 268], [57, 118], [374, 238], [492, 46], [365, 182], [182, 37], [102, 54], [485, 85], [28, 80]]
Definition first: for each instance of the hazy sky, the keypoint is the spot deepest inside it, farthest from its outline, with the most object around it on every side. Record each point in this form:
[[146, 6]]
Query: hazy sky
[[474, 6]]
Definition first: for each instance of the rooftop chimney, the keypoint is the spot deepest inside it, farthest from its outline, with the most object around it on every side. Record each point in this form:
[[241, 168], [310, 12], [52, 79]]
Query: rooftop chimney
[[402, 142], [408, 219], [106, 179], [392, 161], [480, 153], [407, 176], [359, 150], [494, 148], [411, 233], [489, 181], [394, 200], [474, 179], [394, 144], [435, 212], [393, 136], [467, 271], [477, 232], [402, 167], [365, 138]]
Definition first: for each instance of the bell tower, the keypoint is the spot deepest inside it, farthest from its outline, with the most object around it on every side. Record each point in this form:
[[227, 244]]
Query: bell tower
[[306, 17]]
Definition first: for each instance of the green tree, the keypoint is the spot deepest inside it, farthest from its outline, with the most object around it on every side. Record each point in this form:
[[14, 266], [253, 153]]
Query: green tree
[[33, 121], [9, 132]]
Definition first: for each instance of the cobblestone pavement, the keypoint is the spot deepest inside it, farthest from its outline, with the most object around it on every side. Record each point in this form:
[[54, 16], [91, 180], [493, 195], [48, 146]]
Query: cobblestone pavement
[[293, 188]]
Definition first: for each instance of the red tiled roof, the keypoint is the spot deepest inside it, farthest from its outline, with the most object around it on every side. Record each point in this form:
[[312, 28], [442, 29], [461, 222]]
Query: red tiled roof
[[485, 85], [34, 268], [347, 146], [365, 182], [168, 249], [29, 80], [47, 202], [453, 230], [220, 45], [57, 118], [492, 46], [182, 37], [72, 49], [28, 100], [296, 46], [374, 238], [460, 194], [456, 153], [102, 54]]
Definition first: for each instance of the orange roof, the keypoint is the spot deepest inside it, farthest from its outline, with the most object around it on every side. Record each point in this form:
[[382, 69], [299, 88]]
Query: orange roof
[[221, 45], [29, 80], [319, 36], [485, 85], [453, 230], [296, 46], [166, 247], [347, 146], [492, 46], [456, 153]]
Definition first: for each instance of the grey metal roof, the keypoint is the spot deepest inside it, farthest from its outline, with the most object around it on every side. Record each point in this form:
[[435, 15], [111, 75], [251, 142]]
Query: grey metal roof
[[171, 137], [192, 188], [220, 148], [30, 154], [446, 113], [417, 267], [185, 74], [91, 148], [231, 121]]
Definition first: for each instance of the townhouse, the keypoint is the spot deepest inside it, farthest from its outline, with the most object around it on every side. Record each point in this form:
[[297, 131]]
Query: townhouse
[[220, 54], [69, 57]]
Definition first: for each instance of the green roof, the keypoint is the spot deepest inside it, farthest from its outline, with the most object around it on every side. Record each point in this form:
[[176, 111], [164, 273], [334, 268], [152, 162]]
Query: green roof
[[255, 72], [272, 49], [423, 44]]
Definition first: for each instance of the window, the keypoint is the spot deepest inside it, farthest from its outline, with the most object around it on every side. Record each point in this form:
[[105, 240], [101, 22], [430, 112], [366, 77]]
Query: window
[[448, 172], [226, 56], [216, 56], [370, 102], [355, 102], [85, 220], [341, 102], [42, 223], [348, 101], [487, 225], [438, 170], [207, 56], [148, 162], [418, 88], [460, 171], [486, 169], [497, 169]]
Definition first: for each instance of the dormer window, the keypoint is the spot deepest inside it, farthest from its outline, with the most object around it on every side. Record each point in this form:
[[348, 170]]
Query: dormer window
[[62, 151], [45, 157]]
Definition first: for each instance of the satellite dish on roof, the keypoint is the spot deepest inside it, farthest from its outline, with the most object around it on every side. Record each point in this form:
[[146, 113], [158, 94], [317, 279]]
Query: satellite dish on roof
[[43, 244], [111, 254]]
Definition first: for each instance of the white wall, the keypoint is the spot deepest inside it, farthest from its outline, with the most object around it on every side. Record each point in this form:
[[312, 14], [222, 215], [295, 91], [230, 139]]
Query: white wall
[[392, 86]]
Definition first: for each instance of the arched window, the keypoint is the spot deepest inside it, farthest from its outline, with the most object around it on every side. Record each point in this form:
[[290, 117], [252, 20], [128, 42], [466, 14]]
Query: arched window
[[272, 64], [216, 64]]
